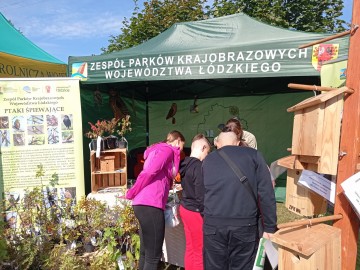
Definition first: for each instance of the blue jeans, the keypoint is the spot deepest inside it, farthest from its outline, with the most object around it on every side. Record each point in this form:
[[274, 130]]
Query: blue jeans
[[152, 232], [229, 247]]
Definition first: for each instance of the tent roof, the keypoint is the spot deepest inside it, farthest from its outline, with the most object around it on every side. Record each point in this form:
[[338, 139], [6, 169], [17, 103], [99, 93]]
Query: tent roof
[[235, 46], [237, 30], [14, 43]]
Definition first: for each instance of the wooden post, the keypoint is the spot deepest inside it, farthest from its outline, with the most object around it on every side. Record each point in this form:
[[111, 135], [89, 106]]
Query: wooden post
[[350, 144]]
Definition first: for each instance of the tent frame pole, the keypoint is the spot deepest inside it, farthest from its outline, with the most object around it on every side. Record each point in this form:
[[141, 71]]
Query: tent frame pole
[[147, 115]]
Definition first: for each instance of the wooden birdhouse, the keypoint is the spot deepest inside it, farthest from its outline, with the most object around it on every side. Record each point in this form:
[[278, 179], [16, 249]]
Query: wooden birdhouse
[[107, 163], [309, 247], [316, 131], [315, 147], [300, 199]]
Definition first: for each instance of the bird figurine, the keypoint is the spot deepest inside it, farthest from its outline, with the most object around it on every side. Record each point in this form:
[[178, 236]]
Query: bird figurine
[[118, 106], [172, 112], [194, 108], [67, 121], [98, 98]]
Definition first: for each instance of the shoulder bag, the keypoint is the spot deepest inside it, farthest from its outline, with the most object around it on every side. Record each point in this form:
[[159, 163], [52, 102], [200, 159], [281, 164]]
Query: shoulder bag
[[243, 179]]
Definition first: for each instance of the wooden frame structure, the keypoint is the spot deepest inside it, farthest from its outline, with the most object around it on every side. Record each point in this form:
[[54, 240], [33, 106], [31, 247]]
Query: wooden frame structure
[[349, 150], [349, 162]]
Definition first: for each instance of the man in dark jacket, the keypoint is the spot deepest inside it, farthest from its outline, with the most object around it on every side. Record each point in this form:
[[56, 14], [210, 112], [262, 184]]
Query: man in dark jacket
[[230, 211]]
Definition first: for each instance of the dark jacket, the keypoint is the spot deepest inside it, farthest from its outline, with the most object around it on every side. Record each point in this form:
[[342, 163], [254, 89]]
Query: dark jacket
[[227, 201], [192, 197]]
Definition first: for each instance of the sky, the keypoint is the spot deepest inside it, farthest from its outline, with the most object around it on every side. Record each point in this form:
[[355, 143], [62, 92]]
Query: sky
[[66, 28]]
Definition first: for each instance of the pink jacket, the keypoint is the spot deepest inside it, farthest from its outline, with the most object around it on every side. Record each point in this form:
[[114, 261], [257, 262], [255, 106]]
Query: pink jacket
[[153, 183]]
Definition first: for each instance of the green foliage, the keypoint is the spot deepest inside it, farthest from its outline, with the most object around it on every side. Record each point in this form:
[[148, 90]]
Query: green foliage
[[40, 173], [62, 258], [3, 245], [54, 180], [158, 15], [51, 234], [155, 18], [304, 15]]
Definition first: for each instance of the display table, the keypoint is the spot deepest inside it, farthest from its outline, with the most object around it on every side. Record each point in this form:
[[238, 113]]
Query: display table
[[174, 242], [110, 196], [174, 245]]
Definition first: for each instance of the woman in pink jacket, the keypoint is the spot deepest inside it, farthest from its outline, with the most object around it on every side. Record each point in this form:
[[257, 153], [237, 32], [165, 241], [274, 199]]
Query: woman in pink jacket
[[150, 193]]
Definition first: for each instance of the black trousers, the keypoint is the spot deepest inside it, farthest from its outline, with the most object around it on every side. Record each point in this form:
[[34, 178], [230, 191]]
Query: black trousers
[[152, 231], [229, 247]]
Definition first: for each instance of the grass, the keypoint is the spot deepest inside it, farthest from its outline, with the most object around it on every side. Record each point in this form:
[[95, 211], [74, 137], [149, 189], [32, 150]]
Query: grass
[[284, 215]]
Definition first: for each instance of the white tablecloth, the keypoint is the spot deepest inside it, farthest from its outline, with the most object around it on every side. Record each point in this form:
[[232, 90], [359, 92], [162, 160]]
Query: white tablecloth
[[174, 245], [110, 196]]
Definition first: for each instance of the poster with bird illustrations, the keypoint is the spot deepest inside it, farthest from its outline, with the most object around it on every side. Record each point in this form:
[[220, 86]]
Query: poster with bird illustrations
[[40, 127]]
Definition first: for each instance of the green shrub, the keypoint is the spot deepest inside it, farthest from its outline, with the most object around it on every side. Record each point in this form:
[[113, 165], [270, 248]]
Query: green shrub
[[49, 234]]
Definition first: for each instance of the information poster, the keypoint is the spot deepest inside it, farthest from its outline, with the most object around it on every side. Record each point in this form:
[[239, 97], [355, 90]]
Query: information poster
[[40, 125]]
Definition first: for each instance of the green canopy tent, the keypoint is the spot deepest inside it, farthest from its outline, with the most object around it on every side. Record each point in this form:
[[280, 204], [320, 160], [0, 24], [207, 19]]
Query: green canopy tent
[[225, 67], [19, 57]]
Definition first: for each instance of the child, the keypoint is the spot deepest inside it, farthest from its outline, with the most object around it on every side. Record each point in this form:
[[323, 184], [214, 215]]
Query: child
[[191, 205]]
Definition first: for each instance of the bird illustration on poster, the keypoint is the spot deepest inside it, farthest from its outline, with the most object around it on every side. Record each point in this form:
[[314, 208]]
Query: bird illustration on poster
[[67, 121]]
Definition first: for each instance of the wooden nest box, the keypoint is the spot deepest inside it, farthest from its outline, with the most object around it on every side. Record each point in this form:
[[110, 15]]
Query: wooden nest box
[[315, 147], [316, 131], [309, 247]]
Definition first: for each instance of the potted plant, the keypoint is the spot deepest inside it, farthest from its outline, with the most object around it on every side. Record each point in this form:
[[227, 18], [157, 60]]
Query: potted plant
[[124, 126], [105, 130]]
